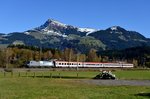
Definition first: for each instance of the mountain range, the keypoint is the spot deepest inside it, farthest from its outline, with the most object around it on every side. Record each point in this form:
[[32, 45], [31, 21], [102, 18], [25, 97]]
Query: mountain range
[[54, 34]]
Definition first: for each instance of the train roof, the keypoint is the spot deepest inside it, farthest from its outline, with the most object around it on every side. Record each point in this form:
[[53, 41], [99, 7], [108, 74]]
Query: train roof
[[86, 62]]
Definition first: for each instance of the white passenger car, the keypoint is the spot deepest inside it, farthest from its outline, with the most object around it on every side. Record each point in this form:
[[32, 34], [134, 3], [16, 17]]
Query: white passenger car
[[92, 64]]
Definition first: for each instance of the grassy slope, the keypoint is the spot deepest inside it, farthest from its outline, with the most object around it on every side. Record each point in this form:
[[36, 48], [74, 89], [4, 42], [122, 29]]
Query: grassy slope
[[135, 74], [44, 88]]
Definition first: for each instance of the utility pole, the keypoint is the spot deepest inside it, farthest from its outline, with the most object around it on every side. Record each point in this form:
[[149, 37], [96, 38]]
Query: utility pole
[[78, 60]]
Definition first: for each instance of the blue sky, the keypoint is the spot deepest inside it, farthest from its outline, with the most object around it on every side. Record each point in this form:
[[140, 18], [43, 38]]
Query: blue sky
[[21, 15]]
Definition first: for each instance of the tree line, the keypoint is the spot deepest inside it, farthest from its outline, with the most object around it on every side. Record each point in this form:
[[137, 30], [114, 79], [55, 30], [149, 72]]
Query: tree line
[[139, 56], [18, 55]]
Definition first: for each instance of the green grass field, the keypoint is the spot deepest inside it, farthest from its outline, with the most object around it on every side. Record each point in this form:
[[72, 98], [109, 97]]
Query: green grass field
[[68, 87], [120, 74], [133, 74], [39, 88]]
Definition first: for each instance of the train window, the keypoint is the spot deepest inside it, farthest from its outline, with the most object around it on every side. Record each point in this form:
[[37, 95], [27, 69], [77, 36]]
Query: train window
[[72, 63], [67, 63], [62, 63], [59, 63], [79, 63]]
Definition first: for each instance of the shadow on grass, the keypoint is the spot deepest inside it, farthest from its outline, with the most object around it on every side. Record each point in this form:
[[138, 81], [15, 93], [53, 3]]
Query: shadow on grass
[[143, 94], [65, 77]]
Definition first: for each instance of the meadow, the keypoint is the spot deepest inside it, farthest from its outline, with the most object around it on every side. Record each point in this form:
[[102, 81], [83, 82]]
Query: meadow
[[120, 74], [65, 85]]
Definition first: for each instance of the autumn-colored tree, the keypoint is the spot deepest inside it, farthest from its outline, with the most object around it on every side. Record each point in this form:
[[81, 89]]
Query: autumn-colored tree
[[82, 57], [47, 55], [92, 56], [2, 58], [135, 62], [56, 55], [36, 55], [9, 57], [69, 55], [105, 59], [100, 58]]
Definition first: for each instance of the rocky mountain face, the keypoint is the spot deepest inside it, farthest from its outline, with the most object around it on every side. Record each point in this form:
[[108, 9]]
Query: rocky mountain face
[[54, 34]]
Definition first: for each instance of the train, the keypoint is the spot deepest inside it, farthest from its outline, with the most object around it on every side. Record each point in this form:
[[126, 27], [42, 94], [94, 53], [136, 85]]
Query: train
[[61, 64]]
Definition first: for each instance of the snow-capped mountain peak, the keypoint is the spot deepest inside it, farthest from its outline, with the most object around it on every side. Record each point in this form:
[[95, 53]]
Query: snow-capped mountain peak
[[88, 30], [49, 24], [114, 28], [54, 22], [53, 27]]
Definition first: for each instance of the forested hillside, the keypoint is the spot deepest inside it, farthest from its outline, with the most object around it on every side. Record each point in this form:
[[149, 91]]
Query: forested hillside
[[18, 56]]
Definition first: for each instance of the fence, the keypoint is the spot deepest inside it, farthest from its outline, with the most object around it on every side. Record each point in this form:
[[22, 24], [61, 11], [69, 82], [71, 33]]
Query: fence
[[48, 74]]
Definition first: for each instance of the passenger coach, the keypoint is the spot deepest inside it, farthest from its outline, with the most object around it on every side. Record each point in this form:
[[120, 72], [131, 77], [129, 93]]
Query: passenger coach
[[91, 64]]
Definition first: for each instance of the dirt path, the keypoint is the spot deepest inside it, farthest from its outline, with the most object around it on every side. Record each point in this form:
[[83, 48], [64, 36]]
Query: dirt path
[[118, 82]]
